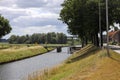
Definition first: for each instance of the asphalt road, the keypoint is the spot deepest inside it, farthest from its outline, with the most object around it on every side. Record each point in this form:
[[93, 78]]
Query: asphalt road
[[21, 69], [115, 48]]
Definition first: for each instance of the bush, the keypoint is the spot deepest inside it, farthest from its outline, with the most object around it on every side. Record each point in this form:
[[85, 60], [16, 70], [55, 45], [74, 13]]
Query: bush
[[113, 43]]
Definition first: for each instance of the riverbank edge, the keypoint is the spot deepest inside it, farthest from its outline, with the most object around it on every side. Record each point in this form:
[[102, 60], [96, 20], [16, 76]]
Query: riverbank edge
[[88, 58], [2, 63]]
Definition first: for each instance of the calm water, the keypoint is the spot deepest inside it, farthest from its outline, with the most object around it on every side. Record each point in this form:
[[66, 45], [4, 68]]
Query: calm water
[[20, 69]]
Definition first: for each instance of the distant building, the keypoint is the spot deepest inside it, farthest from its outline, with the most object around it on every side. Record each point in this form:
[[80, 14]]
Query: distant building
[[114, 36]]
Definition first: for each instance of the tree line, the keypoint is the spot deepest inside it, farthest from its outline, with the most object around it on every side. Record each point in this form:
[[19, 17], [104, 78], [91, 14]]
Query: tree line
[[82, 18], [39, 38]]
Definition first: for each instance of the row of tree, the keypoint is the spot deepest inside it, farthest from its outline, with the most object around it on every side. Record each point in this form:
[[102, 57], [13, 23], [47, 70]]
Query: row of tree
[[40, 38], [82, 18]]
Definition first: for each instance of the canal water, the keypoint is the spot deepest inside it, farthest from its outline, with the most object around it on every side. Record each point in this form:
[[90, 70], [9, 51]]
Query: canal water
[[21, 69]]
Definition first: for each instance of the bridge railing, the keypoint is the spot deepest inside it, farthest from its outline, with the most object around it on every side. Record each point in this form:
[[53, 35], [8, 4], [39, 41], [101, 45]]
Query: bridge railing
[[72, 49]]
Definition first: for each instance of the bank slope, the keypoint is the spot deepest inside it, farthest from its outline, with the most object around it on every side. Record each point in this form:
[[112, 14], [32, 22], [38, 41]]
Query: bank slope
[[13, 54], [90, 63]]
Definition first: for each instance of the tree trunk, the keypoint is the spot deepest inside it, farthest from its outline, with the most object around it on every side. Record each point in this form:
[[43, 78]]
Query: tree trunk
[[82, 41], [97, 40], [94, 40], [101, 39], [86, 41]]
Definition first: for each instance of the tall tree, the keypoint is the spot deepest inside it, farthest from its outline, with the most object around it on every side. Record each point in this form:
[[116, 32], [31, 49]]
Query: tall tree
[[5, 27], [82, 17]]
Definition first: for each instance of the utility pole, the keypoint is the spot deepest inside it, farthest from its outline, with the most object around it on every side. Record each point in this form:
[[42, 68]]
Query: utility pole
[[107, 27], [100, 22]]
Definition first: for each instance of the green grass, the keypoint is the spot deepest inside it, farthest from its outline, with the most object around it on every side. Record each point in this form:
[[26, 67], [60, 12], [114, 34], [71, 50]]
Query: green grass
[[90, 63], [17, 52], [114, 55], [82, 53], [7, 45]]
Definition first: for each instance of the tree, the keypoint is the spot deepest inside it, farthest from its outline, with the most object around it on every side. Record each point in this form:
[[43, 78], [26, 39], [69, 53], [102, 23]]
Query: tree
[[21, 39], [5, 27], [13, 39], [35, 38], [82, 17], [41, 38], [27, 39], [61, 38]]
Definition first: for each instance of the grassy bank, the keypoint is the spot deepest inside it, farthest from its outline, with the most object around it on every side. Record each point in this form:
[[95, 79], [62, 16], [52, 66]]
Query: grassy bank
[[7, 45], [90, 63], [20, 52]]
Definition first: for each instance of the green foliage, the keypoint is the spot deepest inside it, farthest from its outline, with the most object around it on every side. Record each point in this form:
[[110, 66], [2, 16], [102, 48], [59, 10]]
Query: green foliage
[[113, 43], [5, 27], [82, 17], [40, 38]]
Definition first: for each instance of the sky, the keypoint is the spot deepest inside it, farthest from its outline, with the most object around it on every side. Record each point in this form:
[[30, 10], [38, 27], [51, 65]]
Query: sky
[[32, 16]]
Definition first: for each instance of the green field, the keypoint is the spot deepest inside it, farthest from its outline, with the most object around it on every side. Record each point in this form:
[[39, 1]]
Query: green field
[[13, 52], [90, 63]]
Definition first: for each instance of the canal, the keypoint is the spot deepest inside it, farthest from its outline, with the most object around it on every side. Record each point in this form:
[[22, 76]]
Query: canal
[[21, 69]]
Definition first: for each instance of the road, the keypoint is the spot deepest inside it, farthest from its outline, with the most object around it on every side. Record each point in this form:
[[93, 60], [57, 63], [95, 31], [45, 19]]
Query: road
[[115, 48], [20, 69]]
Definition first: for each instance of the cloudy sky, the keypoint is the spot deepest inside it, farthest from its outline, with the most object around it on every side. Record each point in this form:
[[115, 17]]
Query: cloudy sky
[[32, 16]]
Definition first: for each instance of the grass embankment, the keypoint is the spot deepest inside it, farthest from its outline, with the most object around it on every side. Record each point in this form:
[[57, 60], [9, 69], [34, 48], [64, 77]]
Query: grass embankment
[[20, 52], [90, 63], [7, 45]]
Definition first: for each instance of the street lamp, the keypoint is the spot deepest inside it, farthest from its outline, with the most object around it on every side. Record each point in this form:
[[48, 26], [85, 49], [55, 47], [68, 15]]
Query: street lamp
[[107, 25]]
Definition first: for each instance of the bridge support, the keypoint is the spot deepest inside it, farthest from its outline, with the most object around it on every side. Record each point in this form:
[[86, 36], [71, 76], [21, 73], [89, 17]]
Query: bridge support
[[59, 49]]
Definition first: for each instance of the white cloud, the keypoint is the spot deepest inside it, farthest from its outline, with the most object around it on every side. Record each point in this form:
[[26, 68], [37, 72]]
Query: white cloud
[[42, 29], [12, 13], [31, 3], [32, 16], [8, 3], [36, 29], [54, 3], [41, 19]]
